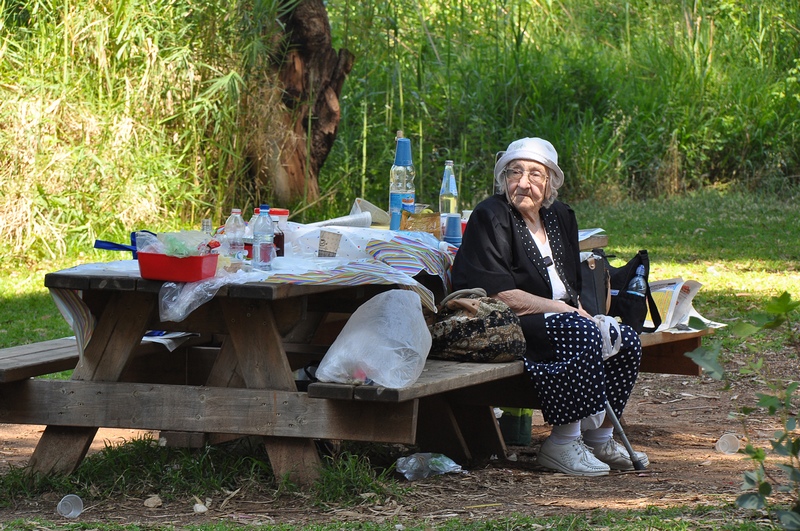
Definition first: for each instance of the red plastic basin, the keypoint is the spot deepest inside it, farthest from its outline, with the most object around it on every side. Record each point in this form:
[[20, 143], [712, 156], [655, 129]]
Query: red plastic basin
[[154, 266]]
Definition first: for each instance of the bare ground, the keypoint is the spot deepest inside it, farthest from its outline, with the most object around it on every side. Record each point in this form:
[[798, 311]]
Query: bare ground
[[675, 419]]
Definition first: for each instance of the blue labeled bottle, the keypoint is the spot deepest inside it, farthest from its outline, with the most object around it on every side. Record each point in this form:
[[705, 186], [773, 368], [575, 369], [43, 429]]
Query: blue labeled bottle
[[263, 240], [401, 184], [638, 284]]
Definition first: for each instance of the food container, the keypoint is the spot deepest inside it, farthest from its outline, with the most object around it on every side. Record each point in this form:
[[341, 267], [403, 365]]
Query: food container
[[155, 266]]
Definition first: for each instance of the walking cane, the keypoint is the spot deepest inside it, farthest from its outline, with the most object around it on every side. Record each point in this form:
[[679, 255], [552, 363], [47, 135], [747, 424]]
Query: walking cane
[[637, 465]]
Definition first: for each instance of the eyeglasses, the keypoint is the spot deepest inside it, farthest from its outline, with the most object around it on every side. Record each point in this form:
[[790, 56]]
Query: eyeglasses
[[515, 175]]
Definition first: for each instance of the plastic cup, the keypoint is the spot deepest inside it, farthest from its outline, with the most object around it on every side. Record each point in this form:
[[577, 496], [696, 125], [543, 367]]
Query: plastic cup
[[70, 506], [402, 156], [728, 444], [452, 228]]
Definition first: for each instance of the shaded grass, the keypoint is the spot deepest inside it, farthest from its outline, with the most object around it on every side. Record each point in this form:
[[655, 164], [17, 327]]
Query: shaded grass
[[140, 467]]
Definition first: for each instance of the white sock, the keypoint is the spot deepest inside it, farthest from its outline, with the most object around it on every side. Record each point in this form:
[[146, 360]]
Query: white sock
[[598, 436], [565, 433]]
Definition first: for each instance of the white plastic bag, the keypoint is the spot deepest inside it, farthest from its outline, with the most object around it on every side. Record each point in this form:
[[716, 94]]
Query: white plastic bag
[[385, 342], [606, 323]]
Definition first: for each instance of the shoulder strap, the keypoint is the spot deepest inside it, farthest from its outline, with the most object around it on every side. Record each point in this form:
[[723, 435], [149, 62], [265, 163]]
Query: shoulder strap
[[480, 292], [656, 317]]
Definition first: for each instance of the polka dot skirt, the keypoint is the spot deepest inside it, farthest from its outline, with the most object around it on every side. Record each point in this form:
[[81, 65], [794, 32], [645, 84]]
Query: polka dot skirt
[[576, 383]]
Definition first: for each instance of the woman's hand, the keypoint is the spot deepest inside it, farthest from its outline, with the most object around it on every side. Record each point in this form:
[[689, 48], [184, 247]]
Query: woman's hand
[[524, 303]]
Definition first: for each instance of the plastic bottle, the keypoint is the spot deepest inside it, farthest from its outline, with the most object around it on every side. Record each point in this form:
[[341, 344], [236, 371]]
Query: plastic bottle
[[638, 284], [234, 235], [263, 240], [248, 230], [279, 217], [401, 184], [448, 194], [207, 227]]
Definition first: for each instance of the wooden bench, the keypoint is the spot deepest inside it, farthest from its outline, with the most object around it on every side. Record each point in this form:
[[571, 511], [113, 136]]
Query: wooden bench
[[452, 400], [56, 355], [455, 399], [36, 359]]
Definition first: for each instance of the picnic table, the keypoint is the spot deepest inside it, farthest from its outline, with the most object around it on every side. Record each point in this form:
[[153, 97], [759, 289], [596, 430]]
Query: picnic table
[[236, 377]]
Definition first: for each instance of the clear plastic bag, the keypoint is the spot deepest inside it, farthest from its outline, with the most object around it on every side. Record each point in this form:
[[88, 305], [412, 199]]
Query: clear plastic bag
[[178, 299], [423, 465], [385, 342]]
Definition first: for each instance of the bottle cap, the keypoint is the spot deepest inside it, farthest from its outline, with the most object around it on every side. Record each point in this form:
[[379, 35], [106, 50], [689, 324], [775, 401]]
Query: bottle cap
[[279, 211], [402, 156]]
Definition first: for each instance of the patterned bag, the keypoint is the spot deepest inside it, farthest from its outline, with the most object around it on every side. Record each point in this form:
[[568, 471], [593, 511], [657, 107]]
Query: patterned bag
[[473, 327]]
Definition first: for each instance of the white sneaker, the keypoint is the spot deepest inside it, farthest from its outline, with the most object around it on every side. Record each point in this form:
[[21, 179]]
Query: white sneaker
[[573, 458], [616, 456]]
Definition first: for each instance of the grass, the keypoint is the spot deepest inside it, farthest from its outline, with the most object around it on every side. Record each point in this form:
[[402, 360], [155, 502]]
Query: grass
[[662, 519], [739, 245]]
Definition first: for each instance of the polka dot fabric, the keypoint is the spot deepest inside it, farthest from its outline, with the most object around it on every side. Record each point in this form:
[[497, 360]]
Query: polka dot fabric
[[577, 382]]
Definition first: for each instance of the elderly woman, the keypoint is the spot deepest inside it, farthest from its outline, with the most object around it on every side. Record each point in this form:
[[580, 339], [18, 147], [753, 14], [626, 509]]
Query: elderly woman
[[522, 248]]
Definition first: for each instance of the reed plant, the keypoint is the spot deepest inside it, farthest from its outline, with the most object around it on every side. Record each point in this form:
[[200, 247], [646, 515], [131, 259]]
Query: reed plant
[[641, 99], [121, 115]]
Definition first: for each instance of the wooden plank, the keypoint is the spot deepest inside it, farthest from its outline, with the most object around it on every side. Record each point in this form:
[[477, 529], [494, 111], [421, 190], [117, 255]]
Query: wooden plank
[[440, 376], [663, 352], [668, 358], [593, 242], [118, 333], [332, 391], [282, 415], [255, 338], [657, 338], [35, 359]]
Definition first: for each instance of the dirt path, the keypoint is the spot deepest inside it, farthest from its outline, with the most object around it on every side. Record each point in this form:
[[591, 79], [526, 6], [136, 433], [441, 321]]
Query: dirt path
[[675, 419]]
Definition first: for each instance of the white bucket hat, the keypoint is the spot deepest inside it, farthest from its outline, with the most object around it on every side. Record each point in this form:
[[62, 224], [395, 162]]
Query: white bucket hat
[[536, 149]]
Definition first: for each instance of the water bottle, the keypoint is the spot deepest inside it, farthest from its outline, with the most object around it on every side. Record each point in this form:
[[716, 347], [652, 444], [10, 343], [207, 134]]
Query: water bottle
[[448, 194], [401, 185], [263, 240], [279, 217], [234, 234], [248, 230], [638, 284]]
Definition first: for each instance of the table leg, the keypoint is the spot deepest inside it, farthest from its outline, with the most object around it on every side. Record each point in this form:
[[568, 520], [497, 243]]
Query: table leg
[[119, 331], [263, 364]]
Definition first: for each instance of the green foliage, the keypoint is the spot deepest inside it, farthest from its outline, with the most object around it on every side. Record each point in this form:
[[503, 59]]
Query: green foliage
[[150, 118], [128, 114], [350, 479], [642, 99], [782, 400]]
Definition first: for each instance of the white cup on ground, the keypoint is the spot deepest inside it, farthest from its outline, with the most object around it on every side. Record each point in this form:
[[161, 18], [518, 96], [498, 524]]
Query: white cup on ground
[[728, 444], [70, 506]]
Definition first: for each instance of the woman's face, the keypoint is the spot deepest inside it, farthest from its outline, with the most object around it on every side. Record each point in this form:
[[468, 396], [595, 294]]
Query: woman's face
[[527, 182]]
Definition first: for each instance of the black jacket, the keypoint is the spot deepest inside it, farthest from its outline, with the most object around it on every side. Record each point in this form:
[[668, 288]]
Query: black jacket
[[497, 254]]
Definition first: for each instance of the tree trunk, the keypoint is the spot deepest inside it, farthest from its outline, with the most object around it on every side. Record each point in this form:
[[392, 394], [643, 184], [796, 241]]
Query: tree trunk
[[312, 75]]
